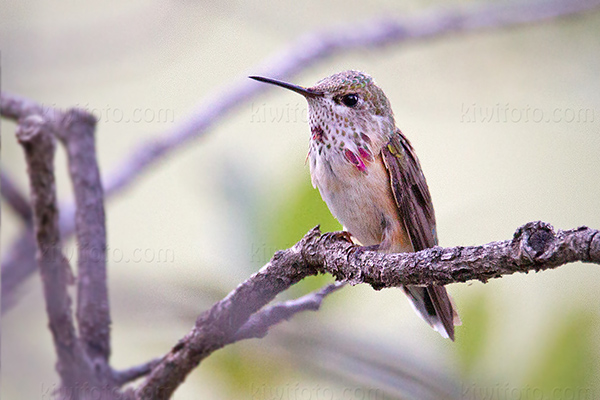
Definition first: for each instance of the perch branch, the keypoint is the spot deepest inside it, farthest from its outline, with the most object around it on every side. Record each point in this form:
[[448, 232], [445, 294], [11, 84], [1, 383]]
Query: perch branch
[[77, 131], [300, 55], [36, 138], [534, 247]]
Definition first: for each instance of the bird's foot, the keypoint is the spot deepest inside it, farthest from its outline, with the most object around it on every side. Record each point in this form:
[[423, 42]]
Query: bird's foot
[[345, 235], [361, 249], [357, 251]]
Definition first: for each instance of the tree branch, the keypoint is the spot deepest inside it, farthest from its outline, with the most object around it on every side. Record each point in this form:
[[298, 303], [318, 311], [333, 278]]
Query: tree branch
[[217, 326], [258, 324], [14, 198], [76, 132], [300, 55], [535, 246], [36, 138], [18, 264], [16, 107], [131, 374]]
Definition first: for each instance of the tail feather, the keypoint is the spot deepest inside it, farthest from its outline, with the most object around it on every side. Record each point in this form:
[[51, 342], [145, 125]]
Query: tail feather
[[435, 306]]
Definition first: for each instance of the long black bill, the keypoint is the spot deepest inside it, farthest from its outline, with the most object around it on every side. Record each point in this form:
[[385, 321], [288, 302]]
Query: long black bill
[[294, 88]]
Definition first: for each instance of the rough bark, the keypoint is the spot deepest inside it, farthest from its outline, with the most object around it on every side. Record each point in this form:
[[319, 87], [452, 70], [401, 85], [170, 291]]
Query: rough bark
[[77, 133], [37, 140], [534, 247]]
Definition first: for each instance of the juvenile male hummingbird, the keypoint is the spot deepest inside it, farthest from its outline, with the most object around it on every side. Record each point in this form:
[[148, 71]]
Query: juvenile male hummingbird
[[369, 175]]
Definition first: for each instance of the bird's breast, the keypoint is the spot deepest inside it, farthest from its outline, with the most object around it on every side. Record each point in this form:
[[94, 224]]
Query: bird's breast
[[358, 193]]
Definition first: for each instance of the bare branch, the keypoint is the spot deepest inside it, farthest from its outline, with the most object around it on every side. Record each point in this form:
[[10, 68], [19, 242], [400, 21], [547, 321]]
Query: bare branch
[[14, 198], [300, 55], [131, 374], [76, 131], [217, 326], [38, 142], [16, 107], [535, 246], [18, 265], [258, 324], [19, 262]]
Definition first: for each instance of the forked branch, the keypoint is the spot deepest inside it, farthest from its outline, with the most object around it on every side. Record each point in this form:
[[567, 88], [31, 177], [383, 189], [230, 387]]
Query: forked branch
[[534, 247]]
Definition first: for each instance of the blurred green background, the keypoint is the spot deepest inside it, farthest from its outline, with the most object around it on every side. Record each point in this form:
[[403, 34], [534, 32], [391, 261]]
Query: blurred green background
[[204, 219]]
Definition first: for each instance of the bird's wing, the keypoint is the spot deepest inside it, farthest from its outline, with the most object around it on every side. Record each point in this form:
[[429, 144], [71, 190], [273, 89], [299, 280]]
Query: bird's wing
[[410, 191], [416, 211]]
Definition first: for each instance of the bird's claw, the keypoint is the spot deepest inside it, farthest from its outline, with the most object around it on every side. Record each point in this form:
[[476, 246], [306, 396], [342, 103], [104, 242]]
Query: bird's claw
[[358, 250], [345, 235]]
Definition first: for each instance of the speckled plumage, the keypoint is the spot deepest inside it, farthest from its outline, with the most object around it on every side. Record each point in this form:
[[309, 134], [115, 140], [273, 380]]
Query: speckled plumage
[[345, 160], [370, 178]]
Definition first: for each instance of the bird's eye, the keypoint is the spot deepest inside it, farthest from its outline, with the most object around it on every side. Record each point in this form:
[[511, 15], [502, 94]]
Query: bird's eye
[[350, 100]]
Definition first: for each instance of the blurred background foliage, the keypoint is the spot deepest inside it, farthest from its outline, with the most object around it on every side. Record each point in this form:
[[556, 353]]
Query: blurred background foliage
[[205, 218]]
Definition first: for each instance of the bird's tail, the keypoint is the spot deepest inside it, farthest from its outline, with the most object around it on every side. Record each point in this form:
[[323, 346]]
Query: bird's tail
[[435, 306]]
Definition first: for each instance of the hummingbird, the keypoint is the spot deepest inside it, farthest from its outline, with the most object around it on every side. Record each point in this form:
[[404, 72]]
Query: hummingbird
[[369, 175]]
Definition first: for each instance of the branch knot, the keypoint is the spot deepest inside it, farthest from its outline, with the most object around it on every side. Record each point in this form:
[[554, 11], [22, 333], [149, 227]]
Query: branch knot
[[532, 240]]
